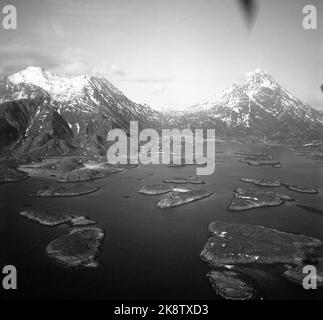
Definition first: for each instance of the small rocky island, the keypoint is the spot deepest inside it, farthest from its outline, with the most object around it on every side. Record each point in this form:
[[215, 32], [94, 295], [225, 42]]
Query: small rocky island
[[262, 182], [296, 275], [54, 218], [84, 175], [12, 175], [156, 189], [234, 244], [232, 285], [176, 199], [258, 159], [301, 189], [79, 248], [69, 190], [185, 180], [245, 199], [256, 162], [57, 166]]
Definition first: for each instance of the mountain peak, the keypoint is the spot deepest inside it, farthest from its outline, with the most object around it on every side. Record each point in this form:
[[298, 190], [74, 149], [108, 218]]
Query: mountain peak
[[28, 75], [259, 71], [33, 69], [260, 78], [258, 74], [54, 84]]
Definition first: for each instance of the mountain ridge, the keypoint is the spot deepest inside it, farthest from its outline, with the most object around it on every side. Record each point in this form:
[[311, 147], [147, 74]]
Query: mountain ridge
[[36, 103], [90, 105]]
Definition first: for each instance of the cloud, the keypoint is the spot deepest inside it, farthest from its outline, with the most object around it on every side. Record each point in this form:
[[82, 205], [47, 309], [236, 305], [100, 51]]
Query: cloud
[[72, 61], [157, 88], [107, 70], [117, 70], [67, 61], [16, 57]]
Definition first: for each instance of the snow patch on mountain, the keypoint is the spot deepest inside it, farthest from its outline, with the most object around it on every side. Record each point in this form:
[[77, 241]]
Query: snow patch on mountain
[[60, 88]]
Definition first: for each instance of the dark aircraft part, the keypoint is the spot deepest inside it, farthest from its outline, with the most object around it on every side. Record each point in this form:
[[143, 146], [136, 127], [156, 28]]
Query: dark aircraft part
[[250, 9]]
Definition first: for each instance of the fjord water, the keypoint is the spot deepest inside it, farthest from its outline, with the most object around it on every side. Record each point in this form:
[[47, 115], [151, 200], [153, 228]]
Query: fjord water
[[150, 253]]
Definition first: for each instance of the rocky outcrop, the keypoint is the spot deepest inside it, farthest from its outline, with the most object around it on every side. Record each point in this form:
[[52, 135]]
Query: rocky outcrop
[[258, 162], [63, 165], [257, 159], [12, 175], [259, 155], [297, 275], [249, 199], [83, 175], [79, 248], [156, 189], [51, 136], [68, 190], [185, 180], [112, 169], [176, 199], [263, 182], [232, 285], [301, 189], [55, 218], [15, 118], [236, 244]]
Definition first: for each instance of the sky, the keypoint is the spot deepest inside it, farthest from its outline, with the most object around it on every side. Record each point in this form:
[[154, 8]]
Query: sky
[[169, 54]]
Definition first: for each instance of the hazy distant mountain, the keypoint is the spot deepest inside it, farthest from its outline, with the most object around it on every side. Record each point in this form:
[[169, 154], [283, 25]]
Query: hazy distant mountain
[[89, 105], [257, 107]]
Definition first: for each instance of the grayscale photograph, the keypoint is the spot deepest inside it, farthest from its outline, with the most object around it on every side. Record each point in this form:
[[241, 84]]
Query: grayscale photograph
[[161, 150]]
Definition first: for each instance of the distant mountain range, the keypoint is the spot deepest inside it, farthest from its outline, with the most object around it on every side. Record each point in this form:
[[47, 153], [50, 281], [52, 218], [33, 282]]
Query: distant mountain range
[[43, 114]]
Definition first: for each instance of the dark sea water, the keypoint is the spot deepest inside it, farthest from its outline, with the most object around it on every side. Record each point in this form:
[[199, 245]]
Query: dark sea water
[[149, 253]]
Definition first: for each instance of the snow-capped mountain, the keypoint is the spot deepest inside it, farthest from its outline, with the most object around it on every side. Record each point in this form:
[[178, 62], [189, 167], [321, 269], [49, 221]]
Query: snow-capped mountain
[[90, 105], [42, 113], [257, 106], [86, 94]]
